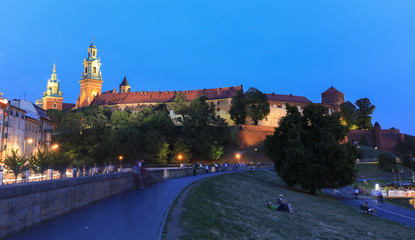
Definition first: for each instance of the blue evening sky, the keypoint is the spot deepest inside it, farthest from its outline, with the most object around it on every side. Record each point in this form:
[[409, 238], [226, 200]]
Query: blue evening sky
[[365, 48]]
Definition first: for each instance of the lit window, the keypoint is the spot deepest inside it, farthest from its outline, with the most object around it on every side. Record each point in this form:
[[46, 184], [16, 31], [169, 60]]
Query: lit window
[[95, 70]]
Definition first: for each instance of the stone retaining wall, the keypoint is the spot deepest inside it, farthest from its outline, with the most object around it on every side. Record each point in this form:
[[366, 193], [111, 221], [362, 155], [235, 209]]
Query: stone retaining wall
[[25, 205]]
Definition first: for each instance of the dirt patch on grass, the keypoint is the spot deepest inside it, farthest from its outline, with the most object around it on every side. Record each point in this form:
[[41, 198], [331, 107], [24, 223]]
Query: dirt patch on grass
[[233, 207], [172, 230]]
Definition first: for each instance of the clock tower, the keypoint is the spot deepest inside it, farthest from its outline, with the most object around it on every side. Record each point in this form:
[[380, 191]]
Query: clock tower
[[91, 79]]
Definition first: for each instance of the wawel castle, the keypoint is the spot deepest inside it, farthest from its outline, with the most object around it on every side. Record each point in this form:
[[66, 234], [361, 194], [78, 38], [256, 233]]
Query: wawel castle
[[124, 98]]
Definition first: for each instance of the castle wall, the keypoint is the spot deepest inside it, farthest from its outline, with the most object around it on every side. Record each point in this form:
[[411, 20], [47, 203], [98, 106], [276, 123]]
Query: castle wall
[[388, 138], [252, 136]]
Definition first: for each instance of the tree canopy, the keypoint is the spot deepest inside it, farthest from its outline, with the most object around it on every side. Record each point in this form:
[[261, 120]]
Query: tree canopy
[[95, 135], [364, 111], [357, 117], [307, 152], [238, 109], [257, 105]]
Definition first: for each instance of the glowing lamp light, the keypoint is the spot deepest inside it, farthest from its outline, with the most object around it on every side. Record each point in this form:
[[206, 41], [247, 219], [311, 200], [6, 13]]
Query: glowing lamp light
[[30, 140], [238, 156], [180, 157], [120, 157], [377, 186]]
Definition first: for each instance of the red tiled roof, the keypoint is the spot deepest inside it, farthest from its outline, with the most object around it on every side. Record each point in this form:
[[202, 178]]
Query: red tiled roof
[[287, 98], [66, 106], [112, 98], [331, 90]]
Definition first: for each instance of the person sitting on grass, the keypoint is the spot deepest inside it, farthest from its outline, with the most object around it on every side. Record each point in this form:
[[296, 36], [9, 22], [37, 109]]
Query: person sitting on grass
[[283, 207], [368, 209]]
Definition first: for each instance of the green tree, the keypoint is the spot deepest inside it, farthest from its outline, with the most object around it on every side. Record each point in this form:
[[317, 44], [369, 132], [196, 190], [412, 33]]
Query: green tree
[[60, 162], [407, 146], [40, 161], [183, 149], [306, 149], [364, 111], [257, 105], [387, 162], [202, 128], [348, 112], [407, 161], [15, 163], [180, 105], [238, 109]]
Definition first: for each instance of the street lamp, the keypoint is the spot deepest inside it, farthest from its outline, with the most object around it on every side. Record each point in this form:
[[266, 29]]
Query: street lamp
[[238, 156], [54, 147], [120, 158]]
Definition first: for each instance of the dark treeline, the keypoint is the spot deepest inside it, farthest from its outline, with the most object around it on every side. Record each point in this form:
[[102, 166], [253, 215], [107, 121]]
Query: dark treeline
[[96, 135]]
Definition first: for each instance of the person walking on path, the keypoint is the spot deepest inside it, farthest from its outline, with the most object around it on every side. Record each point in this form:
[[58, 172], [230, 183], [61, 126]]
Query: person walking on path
[[194, 169], [355, 192]]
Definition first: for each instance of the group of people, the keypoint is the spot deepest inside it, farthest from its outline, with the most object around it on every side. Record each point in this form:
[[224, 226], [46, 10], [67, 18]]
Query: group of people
[[283, 205]]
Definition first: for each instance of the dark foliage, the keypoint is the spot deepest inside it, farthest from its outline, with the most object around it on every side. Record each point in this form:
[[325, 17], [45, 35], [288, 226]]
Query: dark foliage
[[306, 149]]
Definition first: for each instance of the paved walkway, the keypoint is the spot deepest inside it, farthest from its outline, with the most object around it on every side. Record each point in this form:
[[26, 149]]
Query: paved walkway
[[387, 210], [136, 214]]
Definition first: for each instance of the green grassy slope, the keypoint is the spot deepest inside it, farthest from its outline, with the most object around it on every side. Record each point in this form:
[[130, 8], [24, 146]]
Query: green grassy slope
[[232, 206]]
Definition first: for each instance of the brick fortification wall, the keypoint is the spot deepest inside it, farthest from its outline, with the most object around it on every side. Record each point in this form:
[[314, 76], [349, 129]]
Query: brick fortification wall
[[383, 139], [25, 205], [246, 136]]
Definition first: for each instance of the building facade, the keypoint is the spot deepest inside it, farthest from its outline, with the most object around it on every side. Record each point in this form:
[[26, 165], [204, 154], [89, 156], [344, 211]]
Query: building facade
[[25, 128]]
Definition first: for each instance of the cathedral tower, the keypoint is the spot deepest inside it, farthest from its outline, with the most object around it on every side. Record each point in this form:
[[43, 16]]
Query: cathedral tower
[[52, 98], [91, 79]]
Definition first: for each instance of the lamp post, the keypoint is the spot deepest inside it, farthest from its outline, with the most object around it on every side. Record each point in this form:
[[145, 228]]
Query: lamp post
[[180, 157], [120, 158], [394, 175]]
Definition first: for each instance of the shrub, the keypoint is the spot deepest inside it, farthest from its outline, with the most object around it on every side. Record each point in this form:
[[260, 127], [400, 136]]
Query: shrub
[[359, 154], [363, 141], [406, 161], [386, 162]]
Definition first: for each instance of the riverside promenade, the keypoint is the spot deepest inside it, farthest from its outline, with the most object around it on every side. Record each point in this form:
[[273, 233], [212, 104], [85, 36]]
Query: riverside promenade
[[389, 211], [135, 214]]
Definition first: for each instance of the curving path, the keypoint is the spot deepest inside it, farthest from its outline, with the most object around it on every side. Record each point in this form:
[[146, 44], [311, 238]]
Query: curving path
[[135, 214], [388, 211]]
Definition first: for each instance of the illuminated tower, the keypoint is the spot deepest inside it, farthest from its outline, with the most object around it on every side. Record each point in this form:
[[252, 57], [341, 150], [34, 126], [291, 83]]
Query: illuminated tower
[[91, 79], [52, 98]]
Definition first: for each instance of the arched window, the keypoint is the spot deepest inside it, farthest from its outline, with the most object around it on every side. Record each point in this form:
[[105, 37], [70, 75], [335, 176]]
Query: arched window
[[86, 70], [55, 106], [95, 70], [93, 53]]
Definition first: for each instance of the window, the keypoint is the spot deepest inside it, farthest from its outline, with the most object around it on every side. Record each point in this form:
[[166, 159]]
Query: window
[[95, 70], [218, 103], [18, 124], [93, 53], [55, 106], [218, 109], [86, 70]]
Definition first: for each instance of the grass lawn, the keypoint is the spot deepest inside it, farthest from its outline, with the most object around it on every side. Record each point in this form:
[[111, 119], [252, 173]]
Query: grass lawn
[[371, 154], [371, 170], [232, 206]]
